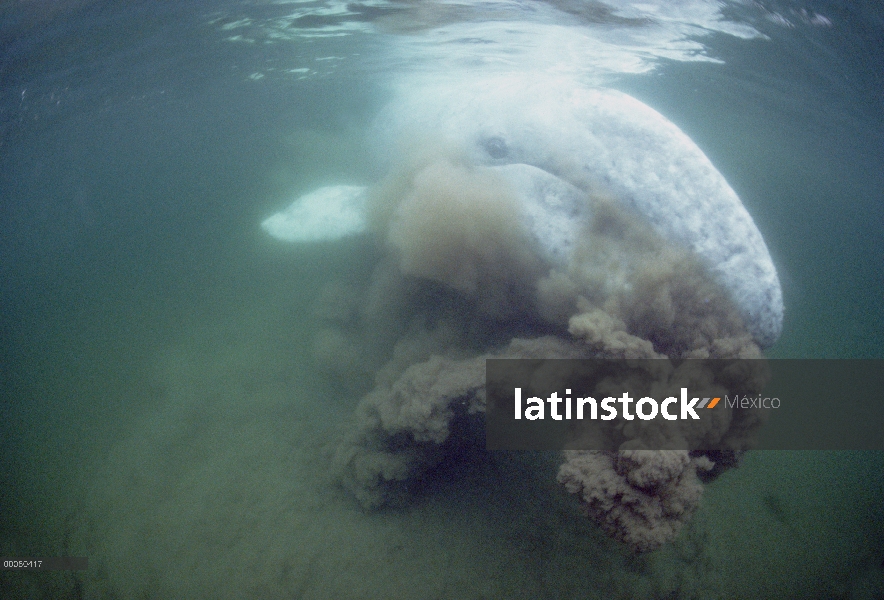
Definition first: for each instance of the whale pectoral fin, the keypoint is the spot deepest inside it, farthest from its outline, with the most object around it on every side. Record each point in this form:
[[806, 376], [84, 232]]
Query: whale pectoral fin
[[329, 213]]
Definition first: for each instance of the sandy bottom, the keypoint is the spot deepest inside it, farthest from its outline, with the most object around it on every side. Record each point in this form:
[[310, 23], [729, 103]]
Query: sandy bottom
[[218, 484]]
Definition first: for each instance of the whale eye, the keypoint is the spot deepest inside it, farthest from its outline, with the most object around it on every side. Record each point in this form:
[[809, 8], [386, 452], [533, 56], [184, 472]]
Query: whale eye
[[495, 147]]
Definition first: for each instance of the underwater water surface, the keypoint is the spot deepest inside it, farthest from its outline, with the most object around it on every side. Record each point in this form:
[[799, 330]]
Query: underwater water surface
[[163, 411]]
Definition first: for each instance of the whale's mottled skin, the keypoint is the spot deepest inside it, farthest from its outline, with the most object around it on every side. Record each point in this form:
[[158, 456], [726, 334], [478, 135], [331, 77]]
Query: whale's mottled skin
[[555, 140]]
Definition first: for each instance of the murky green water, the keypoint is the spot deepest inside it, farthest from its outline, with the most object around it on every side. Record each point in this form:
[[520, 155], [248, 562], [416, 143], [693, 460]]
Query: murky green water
[[161, 411]]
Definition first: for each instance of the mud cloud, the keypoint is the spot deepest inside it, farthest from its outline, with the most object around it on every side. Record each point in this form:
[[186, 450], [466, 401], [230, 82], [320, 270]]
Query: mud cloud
[[580, 225]]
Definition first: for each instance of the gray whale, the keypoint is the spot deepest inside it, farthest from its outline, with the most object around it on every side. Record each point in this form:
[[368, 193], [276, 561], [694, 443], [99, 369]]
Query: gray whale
[[554, 140]]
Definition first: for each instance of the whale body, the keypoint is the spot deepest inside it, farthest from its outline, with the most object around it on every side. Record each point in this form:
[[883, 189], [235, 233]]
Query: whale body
[[554, 141]]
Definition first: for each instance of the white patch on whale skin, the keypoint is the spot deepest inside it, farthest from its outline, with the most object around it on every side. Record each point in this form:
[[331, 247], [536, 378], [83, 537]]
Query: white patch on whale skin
[[329, 213]]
